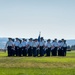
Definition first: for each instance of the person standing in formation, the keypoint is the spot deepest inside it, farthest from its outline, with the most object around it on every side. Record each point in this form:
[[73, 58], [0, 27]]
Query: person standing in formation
[[64, 48], [16, 44], [20, 48], [9, 46], [48, 48], [13, 48], [54, 47], [24, 47], [59, 48], [41, 46], [34, 48], [38, 47], [30, 48]]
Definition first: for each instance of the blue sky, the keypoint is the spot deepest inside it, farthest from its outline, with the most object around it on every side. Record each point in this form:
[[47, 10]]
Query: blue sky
[[26, 18]]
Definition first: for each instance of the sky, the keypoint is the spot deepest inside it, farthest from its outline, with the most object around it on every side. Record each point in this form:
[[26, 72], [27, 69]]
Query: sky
[[26, 18]]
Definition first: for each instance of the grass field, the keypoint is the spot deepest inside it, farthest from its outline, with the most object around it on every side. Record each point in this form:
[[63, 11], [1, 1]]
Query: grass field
[[37, 65]]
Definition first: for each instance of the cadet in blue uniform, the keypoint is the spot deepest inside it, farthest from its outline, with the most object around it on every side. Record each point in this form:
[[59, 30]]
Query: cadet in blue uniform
[[52, 48], [62, 44], [24, 44], [56, 46], [64, 48], [34, 48], [59, 48], [41, 47], [29, 45], [48, 46], [20, 48], [16, 43], [37, 47], [9, 45], [13, 48]]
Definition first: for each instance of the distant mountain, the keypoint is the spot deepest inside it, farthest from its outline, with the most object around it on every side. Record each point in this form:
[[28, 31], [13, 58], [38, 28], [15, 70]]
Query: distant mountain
[[71, 42], [4, 40]]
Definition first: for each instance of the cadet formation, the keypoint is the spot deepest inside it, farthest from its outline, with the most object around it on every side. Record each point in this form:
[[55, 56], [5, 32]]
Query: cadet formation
[[35, 48]]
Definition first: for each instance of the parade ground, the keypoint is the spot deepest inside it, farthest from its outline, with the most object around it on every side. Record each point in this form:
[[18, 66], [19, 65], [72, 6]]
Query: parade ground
[[37, 65]]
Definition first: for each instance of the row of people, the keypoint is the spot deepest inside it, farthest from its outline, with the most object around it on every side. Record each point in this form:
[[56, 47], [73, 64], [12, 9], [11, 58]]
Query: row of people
[[33, 47]]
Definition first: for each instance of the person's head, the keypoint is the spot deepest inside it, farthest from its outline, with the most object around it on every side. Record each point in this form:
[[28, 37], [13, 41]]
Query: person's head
[[33, 40], [48, 40], [30, 39], [55, 39], [24, 39], [17, 39], [36, 40], [9, 39], [62, 40], [42, 38]]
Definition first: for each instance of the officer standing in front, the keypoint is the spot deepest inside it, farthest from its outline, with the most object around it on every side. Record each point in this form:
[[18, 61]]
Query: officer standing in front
[[9, 46]]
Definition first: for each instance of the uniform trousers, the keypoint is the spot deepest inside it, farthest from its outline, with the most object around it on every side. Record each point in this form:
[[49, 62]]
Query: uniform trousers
[[13, 51], [30, 50], [34, 51], [9, 50], [59, 52], [64, 51], [41, 51], [20, 51], [54, 52], [24, 51], [17, 50], [48, 52]]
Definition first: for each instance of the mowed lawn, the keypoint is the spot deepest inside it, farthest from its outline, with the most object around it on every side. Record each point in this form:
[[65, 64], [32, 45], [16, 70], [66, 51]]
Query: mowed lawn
[[37, 65]]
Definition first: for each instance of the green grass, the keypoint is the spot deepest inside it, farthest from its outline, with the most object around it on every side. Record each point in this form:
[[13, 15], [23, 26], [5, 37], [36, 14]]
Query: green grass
[[37, 65], [37, 71]]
